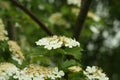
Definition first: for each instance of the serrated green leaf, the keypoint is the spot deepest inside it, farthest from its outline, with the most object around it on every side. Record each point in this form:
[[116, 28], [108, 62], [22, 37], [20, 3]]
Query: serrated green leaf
[[39, 51], [75, 52], [41, 59], [68, 63]]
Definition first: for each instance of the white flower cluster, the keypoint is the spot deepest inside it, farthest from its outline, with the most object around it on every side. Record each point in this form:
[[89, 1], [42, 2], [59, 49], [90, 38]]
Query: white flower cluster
[[17, 54], [75, 68], [7, 70], [93, 16], [34, 72], [75, 11], [3, 32], [93, 73], [57, 19], [74, 2], [55, 42]]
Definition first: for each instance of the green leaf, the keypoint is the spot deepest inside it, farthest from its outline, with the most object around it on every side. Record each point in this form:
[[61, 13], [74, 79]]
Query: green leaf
[[39, 51], [41, 59], [75, 52], [68, 63], [76, 76]]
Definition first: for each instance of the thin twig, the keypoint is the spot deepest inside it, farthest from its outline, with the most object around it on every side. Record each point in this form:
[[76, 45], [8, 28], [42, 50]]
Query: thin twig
[[42, 25], [85, 4], [11, 29]]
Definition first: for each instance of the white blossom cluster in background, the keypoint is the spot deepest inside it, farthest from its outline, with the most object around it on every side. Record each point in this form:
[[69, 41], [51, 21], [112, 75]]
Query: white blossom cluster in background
[[16, 52], [32, 72], [35, 72], [3, 32], [14, 48], [90, 14], [94, 16], [55, 42], [113, 40], [7, 70], [94, 73], [57, 19], [74, 2]]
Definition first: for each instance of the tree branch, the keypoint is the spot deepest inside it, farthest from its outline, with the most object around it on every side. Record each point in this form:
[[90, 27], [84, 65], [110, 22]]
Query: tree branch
[[85, 4], [11, 29], [43, 26]]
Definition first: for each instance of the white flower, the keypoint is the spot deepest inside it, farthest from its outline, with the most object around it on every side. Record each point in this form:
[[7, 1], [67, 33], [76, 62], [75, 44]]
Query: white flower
[[58, 74], [35, 72], [94, 73], [17, 54], [57, 19], [21, 75], [75, 11], [3, 76], [74, 2], [3, 32], [75, 68], [92, 69], [7, 70], [55, 42], [38, 77], [71, 43], [94, 16]]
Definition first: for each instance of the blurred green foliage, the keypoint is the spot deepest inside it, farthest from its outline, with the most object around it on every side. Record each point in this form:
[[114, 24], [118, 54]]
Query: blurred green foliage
[[100, 37]]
